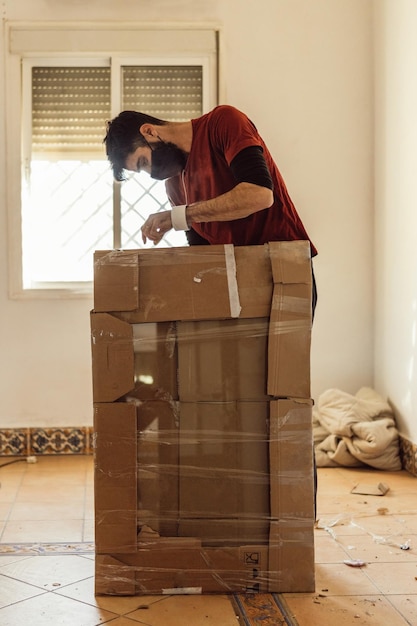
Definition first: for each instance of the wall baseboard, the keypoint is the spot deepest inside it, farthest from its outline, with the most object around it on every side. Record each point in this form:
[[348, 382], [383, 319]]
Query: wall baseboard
[[48, 441]]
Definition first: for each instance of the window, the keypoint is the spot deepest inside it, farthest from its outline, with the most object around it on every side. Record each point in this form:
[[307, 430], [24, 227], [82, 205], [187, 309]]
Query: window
[[69, 204]]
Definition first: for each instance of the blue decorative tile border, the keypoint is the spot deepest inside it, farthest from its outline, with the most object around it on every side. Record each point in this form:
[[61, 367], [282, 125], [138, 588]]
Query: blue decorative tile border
[[14, 442], [48, 441], [41, 549], [79, 440]]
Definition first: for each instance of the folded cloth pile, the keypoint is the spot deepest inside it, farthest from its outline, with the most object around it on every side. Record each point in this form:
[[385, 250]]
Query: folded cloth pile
[[353, 431]]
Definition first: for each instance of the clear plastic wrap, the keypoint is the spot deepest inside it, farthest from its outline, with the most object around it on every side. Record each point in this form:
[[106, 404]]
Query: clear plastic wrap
[[203, 430]]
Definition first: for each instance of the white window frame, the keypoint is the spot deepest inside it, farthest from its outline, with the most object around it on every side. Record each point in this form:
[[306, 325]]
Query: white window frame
[[96, 44]]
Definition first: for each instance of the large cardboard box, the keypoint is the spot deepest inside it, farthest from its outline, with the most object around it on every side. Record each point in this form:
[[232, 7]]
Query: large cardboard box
[[201, 386]]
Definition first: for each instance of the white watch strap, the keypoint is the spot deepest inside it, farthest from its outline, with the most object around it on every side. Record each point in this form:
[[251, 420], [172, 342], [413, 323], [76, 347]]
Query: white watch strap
[[179, 218]]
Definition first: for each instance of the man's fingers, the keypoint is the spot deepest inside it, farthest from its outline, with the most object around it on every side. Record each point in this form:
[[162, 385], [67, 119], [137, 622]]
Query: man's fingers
[[154, 228], [156, 238]]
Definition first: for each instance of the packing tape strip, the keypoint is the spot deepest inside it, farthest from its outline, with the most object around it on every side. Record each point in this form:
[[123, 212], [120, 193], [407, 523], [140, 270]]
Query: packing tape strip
[[235, 307], [186, 591]]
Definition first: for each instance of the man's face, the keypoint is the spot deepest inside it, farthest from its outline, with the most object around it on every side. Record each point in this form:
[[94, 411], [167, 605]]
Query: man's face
[[161, 159]]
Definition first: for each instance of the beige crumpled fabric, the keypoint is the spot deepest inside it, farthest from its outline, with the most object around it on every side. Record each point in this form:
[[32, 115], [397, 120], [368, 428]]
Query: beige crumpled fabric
[[352, 430]]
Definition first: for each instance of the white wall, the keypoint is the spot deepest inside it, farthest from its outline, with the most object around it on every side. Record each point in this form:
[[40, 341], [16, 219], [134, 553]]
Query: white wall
[[396, 204], [303, 71]]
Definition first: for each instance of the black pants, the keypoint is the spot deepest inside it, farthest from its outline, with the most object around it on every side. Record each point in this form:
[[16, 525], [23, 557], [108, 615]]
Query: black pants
[[313, 307], [314, 292]]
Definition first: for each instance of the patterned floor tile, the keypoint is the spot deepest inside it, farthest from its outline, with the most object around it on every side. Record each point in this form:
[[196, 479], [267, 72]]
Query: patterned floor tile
[[256, 609], [50, 609]]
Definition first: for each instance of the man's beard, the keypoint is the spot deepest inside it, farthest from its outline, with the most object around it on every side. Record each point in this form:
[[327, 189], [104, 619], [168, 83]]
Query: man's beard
[[167, 160]]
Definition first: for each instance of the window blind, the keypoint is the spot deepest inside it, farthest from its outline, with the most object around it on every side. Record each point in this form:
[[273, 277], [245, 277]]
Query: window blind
[[171, 92], [70, 106]]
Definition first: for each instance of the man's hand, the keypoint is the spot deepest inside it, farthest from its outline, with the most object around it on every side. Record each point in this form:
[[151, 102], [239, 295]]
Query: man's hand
[[156, 226]]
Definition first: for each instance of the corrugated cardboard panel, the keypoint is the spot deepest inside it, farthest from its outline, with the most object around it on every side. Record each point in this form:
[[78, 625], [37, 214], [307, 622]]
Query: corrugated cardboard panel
[[291, 557], [113, 577], [156, 361], [224, 469], [116, 280], [224, 472], [292, 496], [186, 569], [112, 357], [222, 360], [289, 341], [196, 282], [254, 279], [291, 261], [133, 361], [115, 477], [158, 466], [291, 459], [165, 284], [290, 320]]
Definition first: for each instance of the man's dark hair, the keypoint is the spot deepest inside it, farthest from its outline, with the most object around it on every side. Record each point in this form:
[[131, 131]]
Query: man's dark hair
[[123, 137]]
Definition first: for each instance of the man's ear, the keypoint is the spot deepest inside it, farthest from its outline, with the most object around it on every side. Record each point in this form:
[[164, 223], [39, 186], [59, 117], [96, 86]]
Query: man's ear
[[148, 130]]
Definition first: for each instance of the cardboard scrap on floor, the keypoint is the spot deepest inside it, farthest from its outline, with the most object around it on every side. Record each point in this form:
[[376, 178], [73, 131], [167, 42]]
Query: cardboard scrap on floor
[[370, 490]]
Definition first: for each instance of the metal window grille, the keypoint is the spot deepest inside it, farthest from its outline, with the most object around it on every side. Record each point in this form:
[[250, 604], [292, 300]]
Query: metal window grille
[[170, 92]]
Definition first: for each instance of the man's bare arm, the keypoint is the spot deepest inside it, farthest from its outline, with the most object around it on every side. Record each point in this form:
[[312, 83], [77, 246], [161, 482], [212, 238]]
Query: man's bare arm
[[239, 202]]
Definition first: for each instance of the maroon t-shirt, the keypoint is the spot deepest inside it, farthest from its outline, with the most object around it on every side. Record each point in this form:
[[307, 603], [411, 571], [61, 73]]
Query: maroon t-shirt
[[218, 137]]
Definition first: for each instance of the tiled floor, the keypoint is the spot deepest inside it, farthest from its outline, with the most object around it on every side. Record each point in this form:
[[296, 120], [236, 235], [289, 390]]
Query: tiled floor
[[47, 558]]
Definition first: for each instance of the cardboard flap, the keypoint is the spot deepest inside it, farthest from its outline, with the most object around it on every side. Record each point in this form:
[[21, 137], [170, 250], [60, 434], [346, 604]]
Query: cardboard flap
[[115, 477], [188, 569], [223, 465], [113, 577], [116, 280], [222, 360], [289, 341], [378, 489], [158, 468], [291, 460], [113, 357], [254, 279], [184, 283], [291, 261]]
